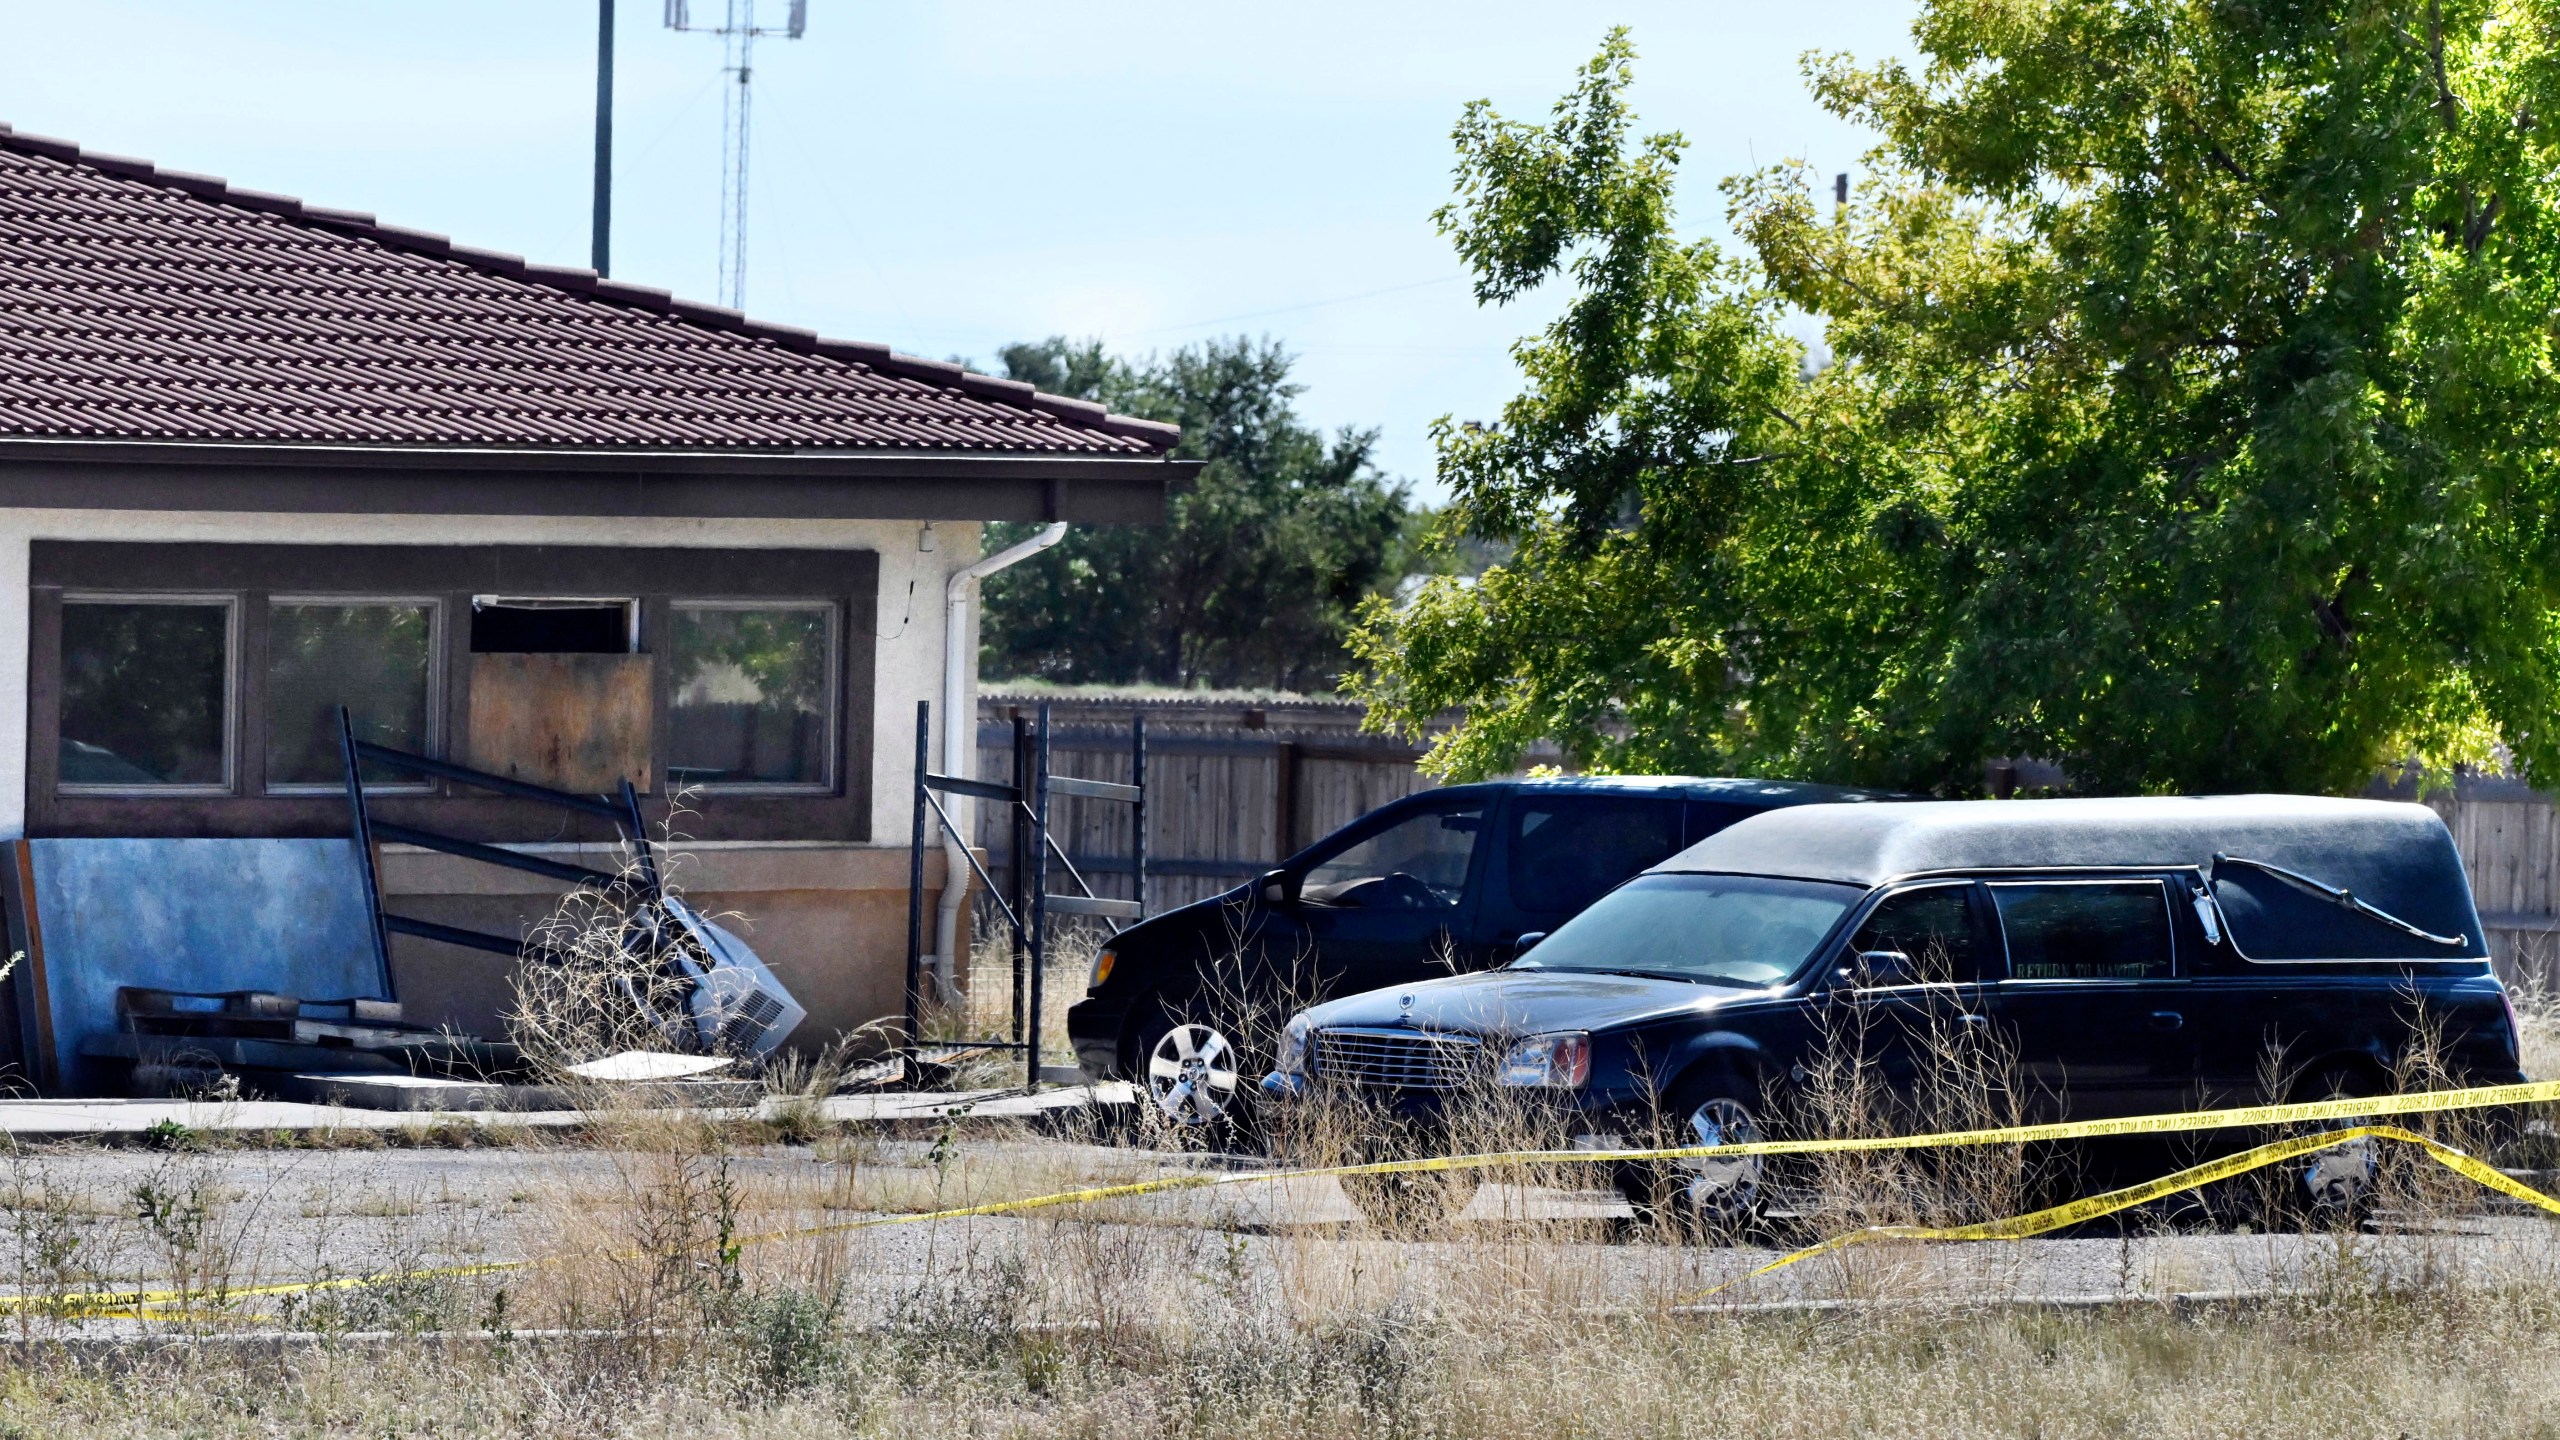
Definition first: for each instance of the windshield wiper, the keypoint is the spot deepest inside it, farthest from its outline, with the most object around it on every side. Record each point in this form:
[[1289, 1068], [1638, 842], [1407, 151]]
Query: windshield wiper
[[2340, 896]]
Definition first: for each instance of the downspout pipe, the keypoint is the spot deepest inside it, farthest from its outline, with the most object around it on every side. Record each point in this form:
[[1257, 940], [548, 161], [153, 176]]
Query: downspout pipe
[[960, 741]]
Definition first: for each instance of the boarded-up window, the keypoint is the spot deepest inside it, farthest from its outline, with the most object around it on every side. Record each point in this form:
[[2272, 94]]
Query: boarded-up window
[[557, 695], [572, 722]]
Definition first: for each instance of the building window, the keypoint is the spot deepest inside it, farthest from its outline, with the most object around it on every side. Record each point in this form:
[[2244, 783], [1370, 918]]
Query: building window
[[752, 694], [186, 689], [146, 689], [376, 657], [560, 693], [513, 625]]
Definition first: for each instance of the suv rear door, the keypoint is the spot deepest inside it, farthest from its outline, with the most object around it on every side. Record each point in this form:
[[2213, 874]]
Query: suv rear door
[[2093, 994]]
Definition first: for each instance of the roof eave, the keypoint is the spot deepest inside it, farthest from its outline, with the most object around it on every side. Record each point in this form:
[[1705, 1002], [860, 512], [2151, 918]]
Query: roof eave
[[696, 484]]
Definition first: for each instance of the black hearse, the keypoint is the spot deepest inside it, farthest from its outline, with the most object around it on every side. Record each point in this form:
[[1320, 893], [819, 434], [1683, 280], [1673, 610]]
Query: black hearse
[[2131, 955], [1447, 880]]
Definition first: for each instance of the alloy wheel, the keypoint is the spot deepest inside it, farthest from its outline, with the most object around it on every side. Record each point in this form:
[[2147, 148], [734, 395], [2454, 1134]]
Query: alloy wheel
[[1192, 1074], [1720, 1191]]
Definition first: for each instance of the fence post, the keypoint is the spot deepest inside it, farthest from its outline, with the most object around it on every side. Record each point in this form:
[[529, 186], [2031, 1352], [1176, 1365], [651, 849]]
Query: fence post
[[1138, 809], [1284, 801], [1015, 875], [1039, 898], [915, 880]]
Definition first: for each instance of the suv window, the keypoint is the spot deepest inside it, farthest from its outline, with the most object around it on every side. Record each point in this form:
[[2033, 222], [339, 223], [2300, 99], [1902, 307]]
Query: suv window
[[1706, 817], [1417, 863], [2085, 930], [1933, 926], [1568, 850]]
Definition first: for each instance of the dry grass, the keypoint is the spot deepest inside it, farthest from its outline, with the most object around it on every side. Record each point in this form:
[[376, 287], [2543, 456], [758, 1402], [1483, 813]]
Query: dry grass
[[1186, 1316], [2538, 1019], [988, 1002], [1099, 1331], [695, 1278]]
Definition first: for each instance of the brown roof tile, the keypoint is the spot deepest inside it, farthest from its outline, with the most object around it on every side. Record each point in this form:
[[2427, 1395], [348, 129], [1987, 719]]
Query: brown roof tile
[[144, 304]]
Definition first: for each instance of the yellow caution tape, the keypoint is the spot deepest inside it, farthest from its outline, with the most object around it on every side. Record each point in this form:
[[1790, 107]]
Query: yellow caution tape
[[2424, 1102], [144, 1304], [139, 1303], [2078, 1212]]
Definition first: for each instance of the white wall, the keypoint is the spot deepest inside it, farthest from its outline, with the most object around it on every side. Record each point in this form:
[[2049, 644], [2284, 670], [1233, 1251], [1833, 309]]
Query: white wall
[[908, 648]]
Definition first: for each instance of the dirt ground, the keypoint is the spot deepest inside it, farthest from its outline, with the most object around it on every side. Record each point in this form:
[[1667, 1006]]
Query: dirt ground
[[241, 1218]]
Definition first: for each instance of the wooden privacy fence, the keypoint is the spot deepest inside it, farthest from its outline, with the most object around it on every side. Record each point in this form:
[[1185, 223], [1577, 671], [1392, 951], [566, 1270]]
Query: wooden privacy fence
[[1235, 786], [2509, 836]]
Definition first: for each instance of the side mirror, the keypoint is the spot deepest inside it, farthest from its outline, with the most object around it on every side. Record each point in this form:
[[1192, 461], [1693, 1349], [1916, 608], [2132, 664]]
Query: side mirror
[[1277, 887], [1880, 967], [1528, 942]]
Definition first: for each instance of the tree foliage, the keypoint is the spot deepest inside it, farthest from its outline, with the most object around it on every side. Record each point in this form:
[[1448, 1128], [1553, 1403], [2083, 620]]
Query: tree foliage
[[1256, 574], [2188, 414]]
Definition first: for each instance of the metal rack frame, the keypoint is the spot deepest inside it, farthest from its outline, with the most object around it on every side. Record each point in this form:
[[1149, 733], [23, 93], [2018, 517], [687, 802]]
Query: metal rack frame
[[1029, 903], [623, 810]]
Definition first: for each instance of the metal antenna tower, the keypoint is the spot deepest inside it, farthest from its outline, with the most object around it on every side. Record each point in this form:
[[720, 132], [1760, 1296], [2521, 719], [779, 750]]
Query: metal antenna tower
[[738, 32]]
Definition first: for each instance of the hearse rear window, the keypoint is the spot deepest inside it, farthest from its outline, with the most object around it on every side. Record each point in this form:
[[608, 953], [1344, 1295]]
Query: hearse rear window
[[1932, 929], [2273, 920], [2085, 930]]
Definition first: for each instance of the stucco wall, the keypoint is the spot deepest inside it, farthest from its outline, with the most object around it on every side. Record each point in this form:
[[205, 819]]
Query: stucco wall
[[910, 634], [830, 918]]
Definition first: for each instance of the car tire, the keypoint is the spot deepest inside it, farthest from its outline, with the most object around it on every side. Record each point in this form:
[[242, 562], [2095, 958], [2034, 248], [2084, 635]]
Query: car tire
[[1192, 1075], [2333, 1189], [1411, 1202], [1700, 1198]]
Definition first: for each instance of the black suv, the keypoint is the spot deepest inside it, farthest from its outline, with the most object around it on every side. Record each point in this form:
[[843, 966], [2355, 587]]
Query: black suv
[[1446, 881], [2127, 957]]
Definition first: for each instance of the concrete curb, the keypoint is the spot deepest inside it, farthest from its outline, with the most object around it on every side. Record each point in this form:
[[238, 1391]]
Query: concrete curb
[[897, 1112]]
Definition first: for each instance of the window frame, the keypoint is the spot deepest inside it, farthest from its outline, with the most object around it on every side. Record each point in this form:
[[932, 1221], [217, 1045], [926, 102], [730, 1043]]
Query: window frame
[[1980, 910], [832, 686], [1559, 802], [1370, 827], [248, 574], [232, 694], [2000, 923], [437, 669]]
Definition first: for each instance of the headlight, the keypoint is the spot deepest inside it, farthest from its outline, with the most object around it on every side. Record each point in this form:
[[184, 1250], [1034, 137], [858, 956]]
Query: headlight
[[1101, 968], [1292, 1059], [1558, 1062]]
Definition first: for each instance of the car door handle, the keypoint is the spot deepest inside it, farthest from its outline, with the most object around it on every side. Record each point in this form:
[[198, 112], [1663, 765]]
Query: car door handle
[[1970, 1018], [2167, 1020]]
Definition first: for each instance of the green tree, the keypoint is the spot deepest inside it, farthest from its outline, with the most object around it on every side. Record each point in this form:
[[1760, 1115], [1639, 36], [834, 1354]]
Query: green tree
[[2188, 415], [1253, 579]]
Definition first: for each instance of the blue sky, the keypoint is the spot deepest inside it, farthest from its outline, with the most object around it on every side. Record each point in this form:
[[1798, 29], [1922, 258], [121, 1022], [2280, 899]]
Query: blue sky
[[948, 177]]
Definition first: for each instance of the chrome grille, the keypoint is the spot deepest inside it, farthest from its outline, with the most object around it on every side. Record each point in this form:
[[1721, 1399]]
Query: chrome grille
[[1396, 1059]]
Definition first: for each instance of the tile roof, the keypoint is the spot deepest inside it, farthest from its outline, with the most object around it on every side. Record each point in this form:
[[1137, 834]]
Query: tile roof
[[143, 304]]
